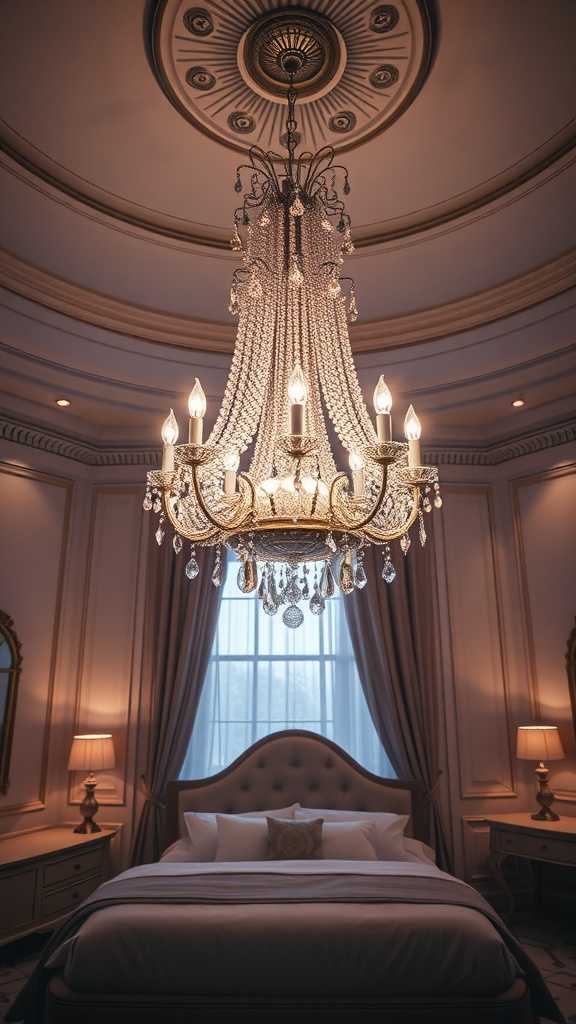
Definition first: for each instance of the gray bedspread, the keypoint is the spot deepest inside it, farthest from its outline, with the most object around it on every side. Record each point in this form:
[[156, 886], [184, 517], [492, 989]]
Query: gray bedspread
[[289, 883]]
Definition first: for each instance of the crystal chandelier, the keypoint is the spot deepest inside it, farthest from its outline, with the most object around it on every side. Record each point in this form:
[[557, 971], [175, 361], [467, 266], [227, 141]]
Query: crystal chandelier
[[291, 514]]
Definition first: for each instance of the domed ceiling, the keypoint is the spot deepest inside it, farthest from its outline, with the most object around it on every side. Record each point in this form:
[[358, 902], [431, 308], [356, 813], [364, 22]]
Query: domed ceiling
[[121, 126]]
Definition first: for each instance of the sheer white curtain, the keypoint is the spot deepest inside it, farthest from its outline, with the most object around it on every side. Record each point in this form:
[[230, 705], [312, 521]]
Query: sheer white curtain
[[263, 677]]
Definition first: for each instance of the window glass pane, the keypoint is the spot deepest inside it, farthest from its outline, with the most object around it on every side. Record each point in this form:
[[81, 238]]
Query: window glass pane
[[235, 633], [264, 677]]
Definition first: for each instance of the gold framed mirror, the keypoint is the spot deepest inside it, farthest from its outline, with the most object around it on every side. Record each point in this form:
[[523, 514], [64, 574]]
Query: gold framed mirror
[[10, 666], [571, 670]]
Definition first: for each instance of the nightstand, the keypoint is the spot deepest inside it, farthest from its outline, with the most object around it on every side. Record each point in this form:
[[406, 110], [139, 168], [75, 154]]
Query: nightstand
[[541, 842], [46, 873]]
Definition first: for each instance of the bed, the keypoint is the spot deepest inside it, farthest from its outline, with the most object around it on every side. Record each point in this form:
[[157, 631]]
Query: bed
[[177, 941]]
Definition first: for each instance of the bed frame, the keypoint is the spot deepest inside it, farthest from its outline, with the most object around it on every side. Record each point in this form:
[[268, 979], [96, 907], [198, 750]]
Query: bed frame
[[284, 768]]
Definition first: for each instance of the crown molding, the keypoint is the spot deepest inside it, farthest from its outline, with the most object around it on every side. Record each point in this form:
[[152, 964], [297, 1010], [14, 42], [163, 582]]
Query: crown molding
[[502, 451], [78, 449], [90, 453], [103, 311]]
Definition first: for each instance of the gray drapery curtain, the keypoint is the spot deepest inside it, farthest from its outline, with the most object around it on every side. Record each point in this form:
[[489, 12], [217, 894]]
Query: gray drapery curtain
[[392, 627], [180, 622]]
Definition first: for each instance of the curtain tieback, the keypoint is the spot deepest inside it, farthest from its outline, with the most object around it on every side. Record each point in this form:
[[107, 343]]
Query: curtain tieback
[[149, 795]]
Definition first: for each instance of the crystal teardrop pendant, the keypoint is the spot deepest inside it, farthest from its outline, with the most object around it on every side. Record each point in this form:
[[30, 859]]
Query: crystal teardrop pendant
[[159, 535], [330, 542], [293, 616], [316, 605], [218, 570], [177, 543], [405, 543], [346, 576], [238, 183], [156, 504], [147, 503], [236, 241], [247, 576], [426, 504], [421, 530], [360, 577], [327, 582], [388, 571], [292, 591], [192, 568], [268, 604]]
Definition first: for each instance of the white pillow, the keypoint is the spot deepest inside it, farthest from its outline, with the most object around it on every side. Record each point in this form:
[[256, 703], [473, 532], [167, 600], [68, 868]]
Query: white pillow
[[247, 839], [389, 828], [349, 840], [202, 830], [241, 838]]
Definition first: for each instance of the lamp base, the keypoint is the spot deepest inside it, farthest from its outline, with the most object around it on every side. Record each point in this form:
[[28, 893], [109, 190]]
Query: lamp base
[[88, 808], [544, 796]]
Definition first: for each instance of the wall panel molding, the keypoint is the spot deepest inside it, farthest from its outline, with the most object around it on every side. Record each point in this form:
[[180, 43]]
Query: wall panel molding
[[477, 645], [50, 480], [106, 667], [529, 617]]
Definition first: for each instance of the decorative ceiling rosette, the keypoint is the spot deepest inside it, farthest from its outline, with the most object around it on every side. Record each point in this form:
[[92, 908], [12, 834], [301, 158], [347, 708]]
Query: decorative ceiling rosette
[[360, 65]]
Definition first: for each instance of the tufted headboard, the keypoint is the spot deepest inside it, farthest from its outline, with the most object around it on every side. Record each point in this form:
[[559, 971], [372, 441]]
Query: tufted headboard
[[290, 767]]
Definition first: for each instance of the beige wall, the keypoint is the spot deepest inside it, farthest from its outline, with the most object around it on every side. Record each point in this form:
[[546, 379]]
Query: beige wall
[[73, 569]]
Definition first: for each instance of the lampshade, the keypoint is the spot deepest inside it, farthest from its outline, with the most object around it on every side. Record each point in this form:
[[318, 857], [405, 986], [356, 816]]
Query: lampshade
[[539, 743], [91, 753]]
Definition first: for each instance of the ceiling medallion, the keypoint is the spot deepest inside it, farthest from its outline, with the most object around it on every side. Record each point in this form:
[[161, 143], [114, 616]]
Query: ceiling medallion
[[298, 525], [354, 71]]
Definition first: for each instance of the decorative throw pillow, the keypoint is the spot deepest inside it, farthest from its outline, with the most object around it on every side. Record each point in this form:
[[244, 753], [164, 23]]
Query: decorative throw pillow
[[294, 840]]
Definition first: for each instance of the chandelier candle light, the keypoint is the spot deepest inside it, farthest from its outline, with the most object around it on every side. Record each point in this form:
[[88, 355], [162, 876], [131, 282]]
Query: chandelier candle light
[[291, 514]]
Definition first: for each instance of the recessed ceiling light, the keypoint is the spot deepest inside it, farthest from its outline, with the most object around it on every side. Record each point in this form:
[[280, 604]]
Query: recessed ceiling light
[[518, 403], [62, 402]]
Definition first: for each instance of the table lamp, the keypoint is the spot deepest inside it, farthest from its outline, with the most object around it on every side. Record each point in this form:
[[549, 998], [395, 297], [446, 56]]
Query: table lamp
[[93, 752], [541, 743]]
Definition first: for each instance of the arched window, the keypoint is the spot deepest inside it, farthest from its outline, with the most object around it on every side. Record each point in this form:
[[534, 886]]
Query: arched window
[[263, 677]]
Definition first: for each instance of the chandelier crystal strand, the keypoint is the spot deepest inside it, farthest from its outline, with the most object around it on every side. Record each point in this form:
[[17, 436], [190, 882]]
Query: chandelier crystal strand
[[292, 363]]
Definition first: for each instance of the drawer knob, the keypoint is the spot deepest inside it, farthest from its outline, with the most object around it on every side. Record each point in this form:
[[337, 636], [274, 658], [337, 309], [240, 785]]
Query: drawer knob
[[75, 895], [77, 867]]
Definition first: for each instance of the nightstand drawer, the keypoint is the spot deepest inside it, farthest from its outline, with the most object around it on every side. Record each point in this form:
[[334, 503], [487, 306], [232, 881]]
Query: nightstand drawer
[[61, 901], [539, 847], [85, 862]]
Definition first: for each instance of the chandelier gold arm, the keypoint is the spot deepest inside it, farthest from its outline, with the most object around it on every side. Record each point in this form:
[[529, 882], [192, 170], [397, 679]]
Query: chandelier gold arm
[[245, 508], [195, 536], [338, 510], [385, 536]]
